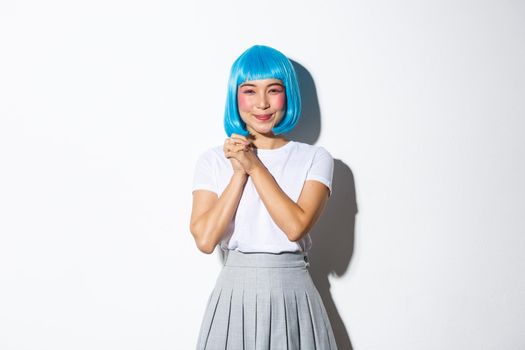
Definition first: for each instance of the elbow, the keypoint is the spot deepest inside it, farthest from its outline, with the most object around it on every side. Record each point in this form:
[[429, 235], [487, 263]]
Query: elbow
[[204, 245], [295, 237], [297, 233]]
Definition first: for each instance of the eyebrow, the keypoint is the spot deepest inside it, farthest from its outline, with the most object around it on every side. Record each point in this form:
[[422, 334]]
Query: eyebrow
[[250, 84]]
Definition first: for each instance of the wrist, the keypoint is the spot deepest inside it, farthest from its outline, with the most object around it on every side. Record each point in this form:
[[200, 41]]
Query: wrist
[[256, 169], [240, 174]]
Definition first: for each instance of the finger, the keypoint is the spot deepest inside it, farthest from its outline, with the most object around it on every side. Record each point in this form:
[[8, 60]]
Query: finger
[[244, 144], [229, 144], [237, 141], [233, 142], [237, 148], [229, 149], [231, 155], [239, 138]]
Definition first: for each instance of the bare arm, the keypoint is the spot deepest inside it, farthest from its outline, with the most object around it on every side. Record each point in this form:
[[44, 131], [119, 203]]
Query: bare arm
[[211, 215], [295, 219]]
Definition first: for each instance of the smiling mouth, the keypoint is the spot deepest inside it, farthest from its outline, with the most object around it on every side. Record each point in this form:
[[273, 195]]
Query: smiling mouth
[[263, 116]]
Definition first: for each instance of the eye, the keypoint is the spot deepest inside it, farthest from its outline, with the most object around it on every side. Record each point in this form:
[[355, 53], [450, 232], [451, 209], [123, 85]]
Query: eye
[[248, 91], [276, 91]]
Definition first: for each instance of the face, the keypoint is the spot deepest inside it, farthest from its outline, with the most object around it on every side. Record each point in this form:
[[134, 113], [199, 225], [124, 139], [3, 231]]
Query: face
[[262, 104]]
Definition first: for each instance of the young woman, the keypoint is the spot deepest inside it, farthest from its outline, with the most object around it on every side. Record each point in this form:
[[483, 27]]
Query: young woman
[[257, 196]]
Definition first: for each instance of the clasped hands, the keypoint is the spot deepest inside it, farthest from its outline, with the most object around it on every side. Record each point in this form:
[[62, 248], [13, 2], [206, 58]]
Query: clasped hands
[[241, 153]]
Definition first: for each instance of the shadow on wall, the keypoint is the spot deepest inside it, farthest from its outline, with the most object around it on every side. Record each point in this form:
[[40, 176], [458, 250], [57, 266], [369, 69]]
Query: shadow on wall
[[333, 245], [333, 235]]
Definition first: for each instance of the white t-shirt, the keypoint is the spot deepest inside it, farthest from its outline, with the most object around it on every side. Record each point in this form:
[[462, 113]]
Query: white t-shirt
[[253, 229]]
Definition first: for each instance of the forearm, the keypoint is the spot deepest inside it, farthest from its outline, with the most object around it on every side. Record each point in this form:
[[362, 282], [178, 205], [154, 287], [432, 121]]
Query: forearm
[[283, 210], [212, 225]]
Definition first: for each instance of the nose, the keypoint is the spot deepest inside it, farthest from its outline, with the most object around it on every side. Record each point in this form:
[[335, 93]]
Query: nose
[[262, 102]]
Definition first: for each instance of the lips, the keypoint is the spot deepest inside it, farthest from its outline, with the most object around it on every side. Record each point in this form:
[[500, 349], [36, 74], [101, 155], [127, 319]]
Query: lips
[[263, 116]]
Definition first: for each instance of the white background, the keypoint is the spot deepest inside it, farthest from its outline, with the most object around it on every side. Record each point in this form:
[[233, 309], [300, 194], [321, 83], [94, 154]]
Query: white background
[[105, 106]]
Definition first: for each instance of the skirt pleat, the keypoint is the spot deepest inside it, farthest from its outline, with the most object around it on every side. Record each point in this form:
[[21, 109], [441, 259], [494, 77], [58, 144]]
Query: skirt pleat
[[236, 330], [250, 318], [209, 314], [220, 325], [264, 301], [263, 321], [292, 320], [307, 338], [278, 320]]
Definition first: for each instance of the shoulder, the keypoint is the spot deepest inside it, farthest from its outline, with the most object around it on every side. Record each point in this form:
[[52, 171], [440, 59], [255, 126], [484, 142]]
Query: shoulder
[[213, 156], [211, 153], [315, 150]]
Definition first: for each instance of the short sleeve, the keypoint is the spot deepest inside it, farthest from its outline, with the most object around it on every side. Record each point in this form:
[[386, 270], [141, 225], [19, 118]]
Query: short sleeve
[[322, 168], [204, 176]]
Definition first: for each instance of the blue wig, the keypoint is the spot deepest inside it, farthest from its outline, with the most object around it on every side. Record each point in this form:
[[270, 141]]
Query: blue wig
[[262, 62]]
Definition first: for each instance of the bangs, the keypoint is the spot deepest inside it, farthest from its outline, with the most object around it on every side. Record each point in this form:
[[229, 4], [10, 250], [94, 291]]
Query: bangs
[[257, 65]]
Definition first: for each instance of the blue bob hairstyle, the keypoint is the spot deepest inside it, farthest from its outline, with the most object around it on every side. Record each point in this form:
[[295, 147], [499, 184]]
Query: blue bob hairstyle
[[262, 62]]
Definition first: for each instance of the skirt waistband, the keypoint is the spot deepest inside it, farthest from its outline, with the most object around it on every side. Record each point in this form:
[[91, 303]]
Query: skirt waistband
[[236, 258]]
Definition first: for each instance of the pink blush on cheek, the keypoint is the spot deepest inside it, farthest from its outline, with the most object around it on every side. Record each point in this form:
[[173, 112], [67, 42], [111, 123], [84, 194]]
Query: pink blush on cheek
[[280, 101], [243, 102]]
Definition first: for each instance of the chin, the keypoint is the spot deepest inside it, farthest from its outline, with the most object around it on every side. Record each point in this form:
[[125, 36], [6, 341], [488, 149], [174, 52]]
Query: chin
[[264, 131]]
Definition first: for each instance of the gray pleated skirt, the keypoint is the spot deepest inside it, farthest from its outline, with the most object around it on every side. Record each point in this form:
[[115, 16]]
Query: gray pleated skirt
[[265, 301]]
